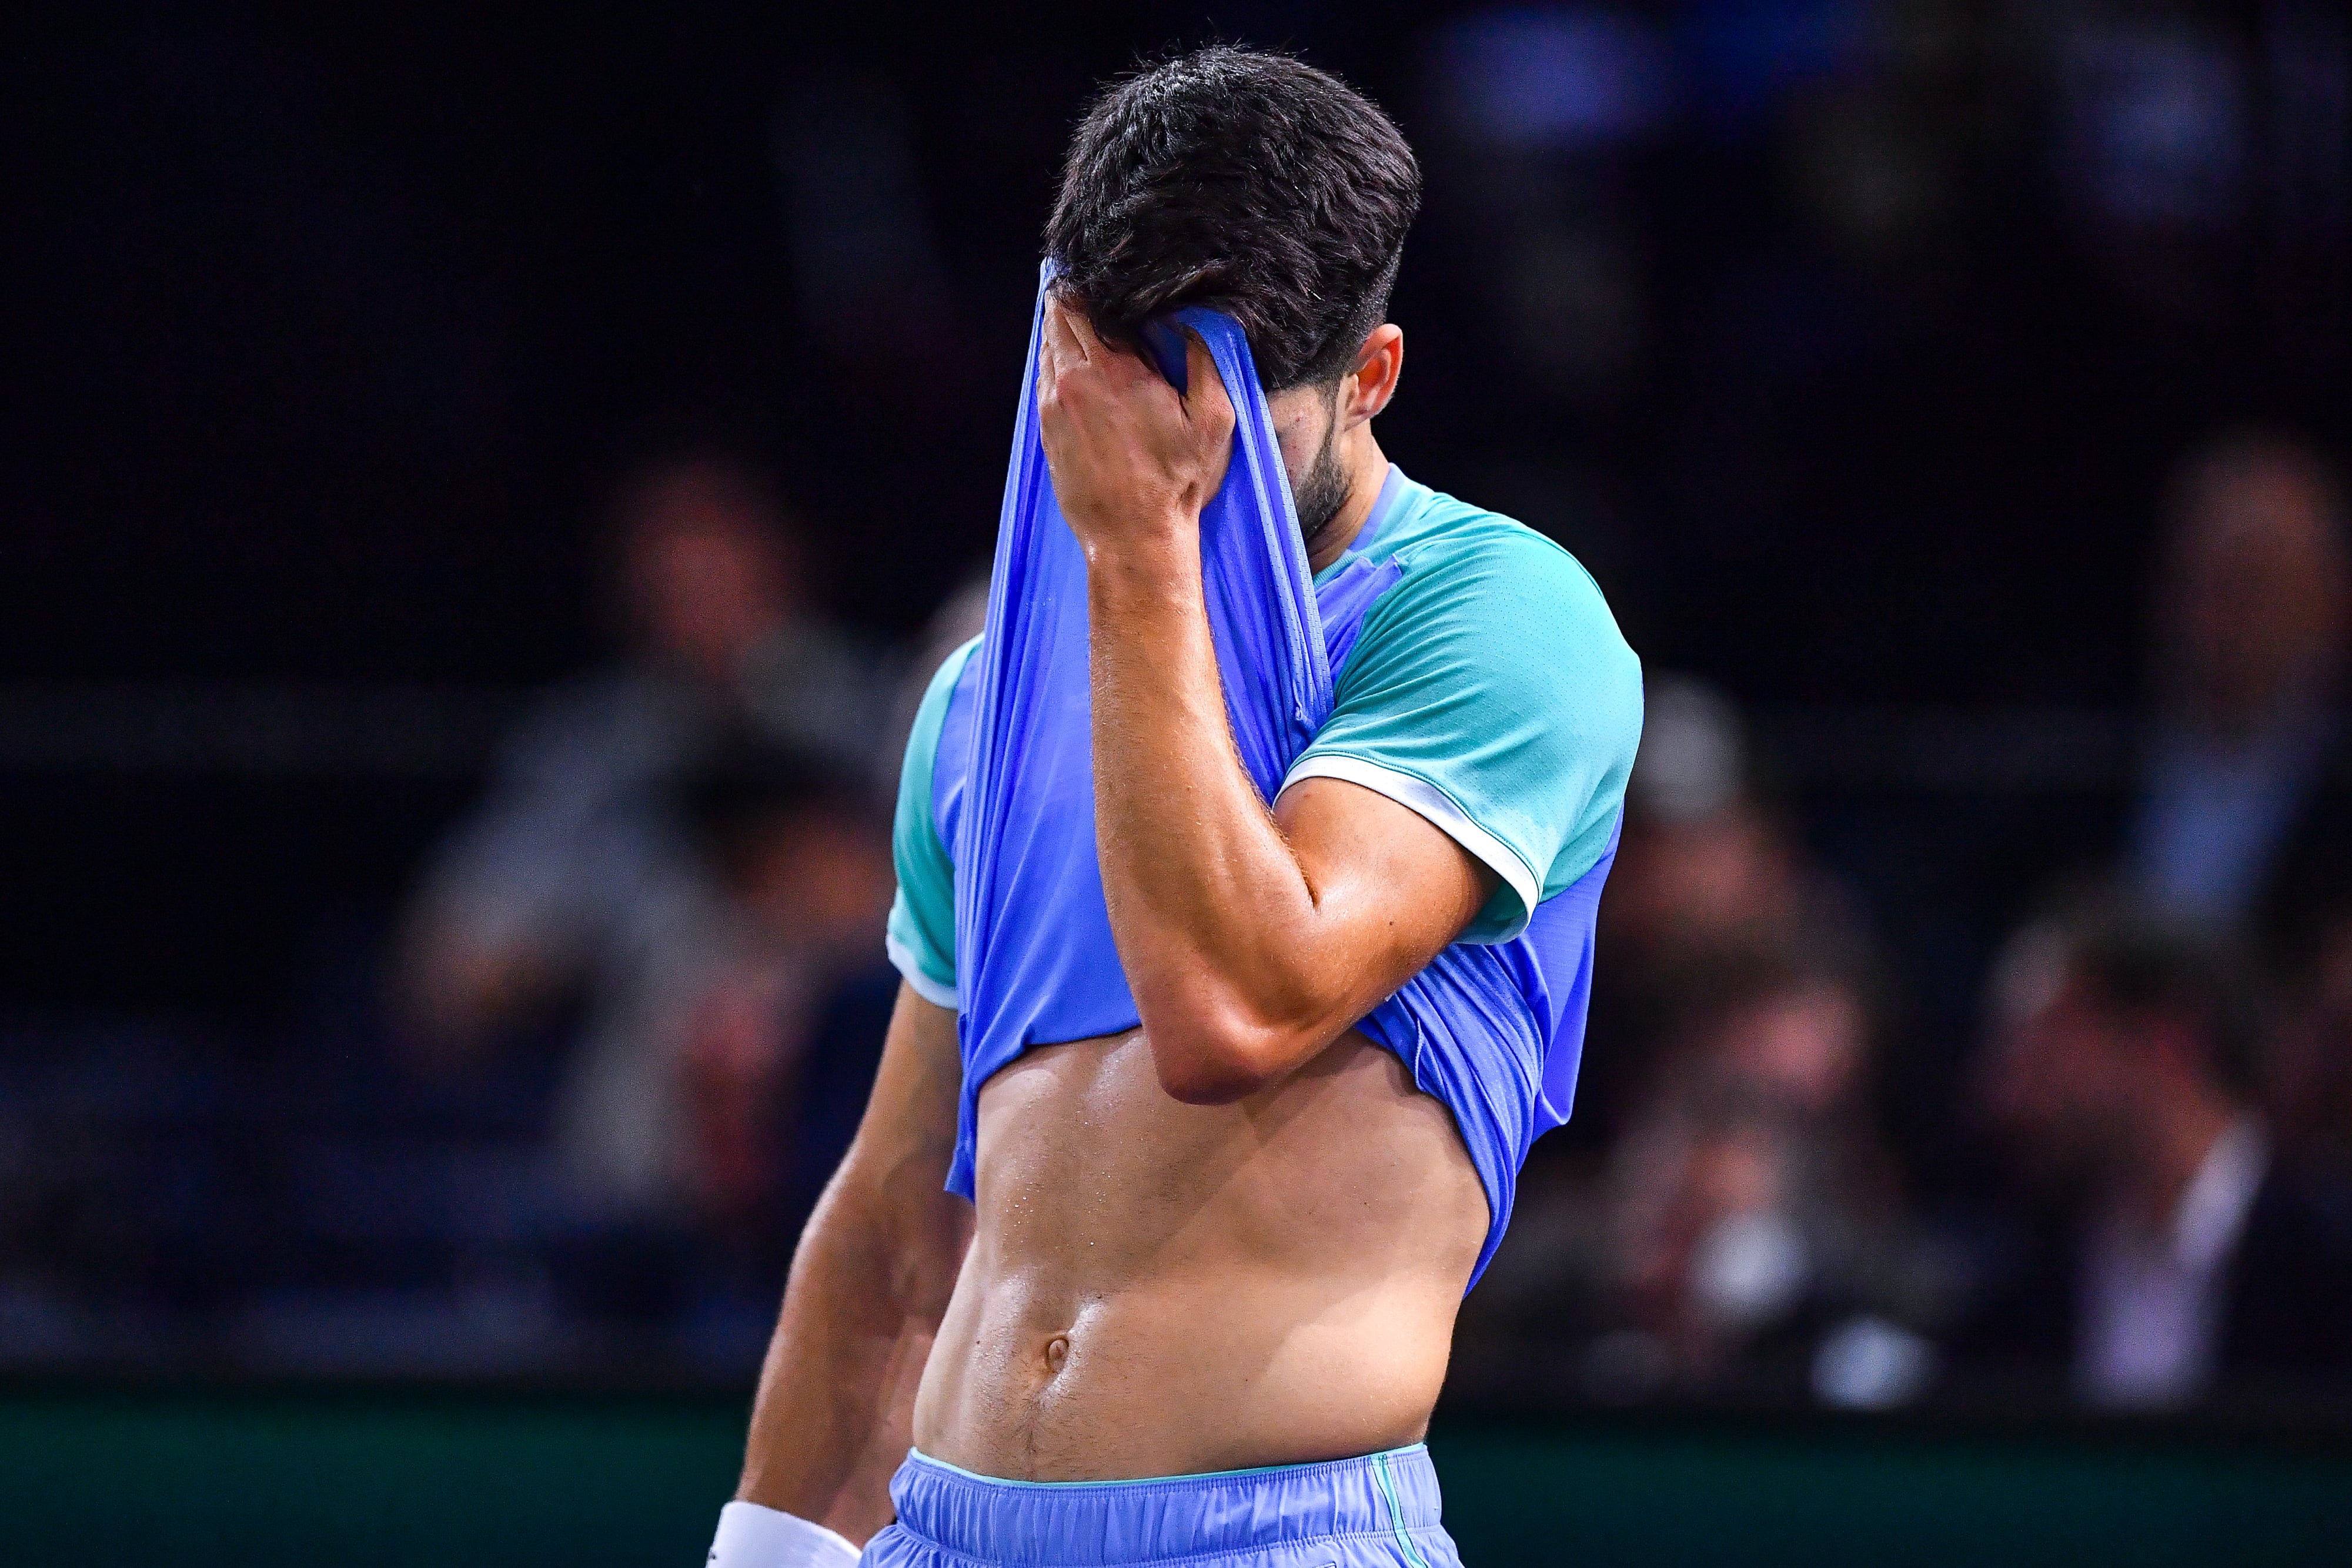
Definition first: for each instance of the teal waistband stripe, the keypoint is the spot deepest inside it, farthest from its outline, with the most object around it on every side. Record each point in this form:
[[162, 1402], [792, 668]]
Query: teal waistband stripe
[[1405, 1542], [1381, 1460]]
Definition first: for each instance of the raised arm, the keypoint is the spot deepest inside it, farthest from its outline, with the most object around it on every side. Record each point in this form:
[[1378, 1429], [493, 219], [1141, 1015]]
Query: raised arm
[[1250, 939], [869, 1286]]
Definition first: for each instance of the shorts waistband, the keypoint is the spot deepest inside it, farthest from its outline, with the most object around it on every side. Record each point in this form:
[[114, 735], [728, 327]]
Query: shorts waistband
[[1094, 1524]]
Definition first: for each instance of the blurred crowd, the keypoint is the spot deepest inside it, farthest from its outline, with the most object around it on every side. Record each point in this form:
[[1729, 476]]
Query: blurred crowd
[[581, 1099], [1865, 350], [674, 890], [678, 881], [2155, 1203]]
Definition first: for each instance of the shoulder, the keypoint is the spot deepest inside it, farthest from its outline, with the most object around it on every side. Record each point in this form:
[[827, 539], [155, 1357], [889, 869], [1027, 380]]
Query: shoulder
[[939, 698], [950, 671], [922, 933], [931, 723], [1489, 686], [1475, 590], [1451, 547]]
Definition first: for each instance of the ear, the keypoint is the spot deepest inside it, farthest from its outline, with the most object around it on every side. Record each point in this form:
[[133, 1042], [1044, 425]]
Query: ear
[[1365, 391]]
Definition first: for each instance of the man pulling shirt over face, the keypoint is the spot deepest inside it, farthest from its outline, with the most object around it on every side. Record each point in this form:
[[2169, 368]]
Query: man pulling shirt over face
[[1458, 698], [1215, 1258]]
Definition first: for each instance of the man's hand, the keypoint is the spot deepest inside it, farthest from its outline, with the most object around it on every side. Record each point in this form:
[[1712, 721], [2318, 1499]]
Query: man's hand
[[1132, 463]]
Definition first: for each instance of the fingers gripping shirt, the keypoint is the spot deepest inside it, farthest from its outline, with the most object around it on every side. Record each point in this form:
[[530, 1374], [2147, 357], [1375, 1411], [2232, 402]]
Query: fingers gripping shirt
[[1480, 680]]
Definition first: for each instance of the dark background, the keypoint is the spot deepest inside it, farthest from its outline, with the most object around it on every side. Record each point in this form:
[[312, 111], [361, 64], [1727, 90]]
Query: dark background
[[325, 326], [1849, 342]]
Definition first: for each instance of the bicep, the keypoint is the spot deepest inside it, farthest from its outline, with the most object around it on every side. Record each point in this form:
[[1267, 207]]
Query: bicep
[[1391, 889]]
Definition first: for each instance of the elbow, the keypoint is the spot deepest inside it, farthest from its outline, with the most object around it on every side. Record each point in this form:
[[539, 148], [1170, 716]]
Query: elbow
[[1200, 1080], [1208, 1059]]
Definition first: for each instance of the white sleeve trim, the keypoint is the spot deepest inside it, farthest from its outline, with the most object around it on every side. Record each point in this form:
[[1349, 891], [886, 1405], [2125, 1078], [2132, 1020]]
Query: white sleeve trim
[[910, 970], [1428, 801]]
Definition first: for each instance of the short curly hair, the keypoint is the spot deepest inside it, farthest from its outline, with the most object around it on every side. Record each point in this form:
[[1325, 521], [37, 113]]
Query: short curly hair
[[1250, 182]]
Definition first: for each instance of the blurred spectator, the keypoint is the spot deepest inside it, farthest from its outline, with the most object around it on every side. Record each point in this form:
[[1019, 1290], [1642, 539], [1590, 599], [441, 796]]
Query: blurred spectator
[[1704, 866], [1747, 1238], [2188, 135], [804, 862], [1705, 862], [2250, 636], [578, 876], [1755, 1233], [2184, 1259]]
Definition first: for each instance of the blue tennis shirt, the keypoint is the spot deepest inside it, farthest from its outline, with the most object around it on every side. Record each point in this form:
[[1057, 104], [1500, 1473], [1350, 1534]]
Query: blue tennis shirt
[[1453, 660]]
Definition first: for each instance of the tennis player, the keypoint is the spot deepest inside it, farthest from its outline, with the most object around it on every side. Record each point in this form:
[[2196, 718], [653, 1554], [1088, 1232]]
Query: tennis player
[[1191, 1297]]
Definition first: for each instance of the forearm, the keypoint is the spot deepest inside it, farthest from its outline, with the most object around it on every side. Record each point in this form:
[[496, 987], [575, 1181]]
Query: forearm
[[1211, 910], [870, 1283], [837, 1383]]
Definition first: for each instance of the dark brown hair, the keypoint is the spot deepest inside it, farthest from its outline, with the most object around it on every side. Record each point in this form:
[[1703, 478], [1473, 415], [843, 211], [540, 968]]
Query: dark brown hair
[[1250, 182]]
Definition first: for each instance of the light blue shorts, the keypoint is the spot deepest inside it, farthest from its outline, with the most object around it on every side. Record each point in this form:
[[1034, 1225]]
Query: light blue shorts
[[1379, 1511]]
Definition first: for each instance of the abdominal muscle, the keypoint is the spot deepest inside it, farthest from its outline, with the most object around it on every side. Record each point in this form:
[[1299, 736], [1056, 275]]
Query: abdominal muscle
[[1161, 1289]]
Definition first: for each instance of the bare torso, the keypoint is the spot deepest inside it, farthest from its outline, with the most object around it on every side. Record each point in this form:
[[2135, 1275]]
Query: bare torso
[[1156, 1288]]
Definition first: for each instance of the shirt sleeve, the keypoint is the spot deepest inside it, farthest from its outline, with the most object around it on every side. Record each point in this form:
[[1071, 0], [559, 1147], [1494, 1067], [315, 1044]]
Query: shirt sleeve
[[920, 938], [1491, 692]]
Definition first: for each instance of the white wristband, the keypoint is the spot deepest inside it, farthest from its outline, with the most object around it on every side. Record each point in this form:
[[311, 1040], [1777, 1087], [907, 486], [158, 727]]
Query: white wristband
[[750, 1536]]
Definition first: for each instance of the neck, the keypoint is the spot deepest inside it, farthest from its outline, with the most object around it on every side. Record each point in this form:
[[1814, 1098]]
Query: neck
[[1368, 470], [2173, 1148]]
